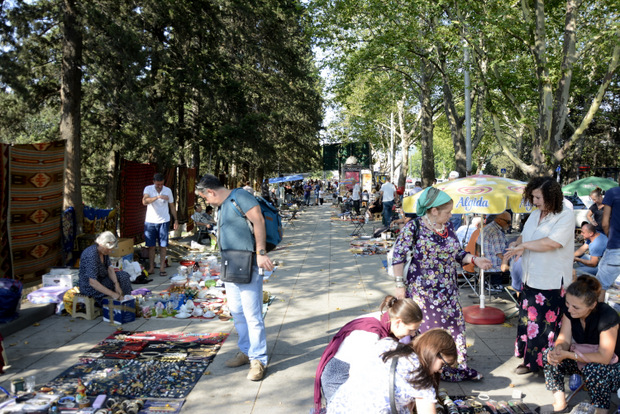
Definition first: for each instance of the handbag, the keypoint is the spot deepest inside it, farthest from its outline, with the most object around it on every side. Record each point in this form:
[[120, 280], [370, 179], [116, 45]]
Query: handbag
[[237, 266], [581, 349]]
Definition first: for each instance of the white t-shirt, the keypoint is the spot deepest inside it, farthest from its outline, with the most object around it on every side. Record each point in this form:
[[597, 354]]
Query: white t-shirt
[[545, 270], [158, 211], [388, 191], [356, 192]]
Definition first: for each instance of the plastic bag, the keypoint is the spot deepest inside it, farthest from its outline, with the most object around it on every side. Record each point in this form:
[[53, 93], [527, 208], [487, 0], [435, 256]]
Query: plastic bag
[[10, 299]]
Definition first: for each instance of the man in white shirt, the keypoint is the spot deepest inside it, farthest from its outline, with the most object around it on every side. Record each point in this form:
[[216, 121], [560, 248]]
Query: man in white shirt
[[388, 191], [356, 197], [159, 203], [247, 187]]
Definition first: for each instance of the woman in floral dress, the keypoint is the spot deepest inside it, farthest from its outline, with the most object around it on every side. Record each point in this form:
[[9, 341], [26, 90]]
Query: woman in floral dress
[[546, 246], [430, 279]]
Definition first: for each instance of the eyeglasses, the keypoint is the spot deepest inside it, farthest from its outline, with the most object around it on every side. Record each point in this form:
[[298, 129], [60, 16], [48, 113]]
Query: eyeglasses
[[445, 364]]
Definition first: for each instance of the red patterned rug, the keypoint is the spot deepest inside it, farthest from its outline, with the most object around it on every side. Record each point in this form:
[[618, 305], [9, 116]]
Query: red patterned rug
[[6, 267], [36, 197], [134, 177]]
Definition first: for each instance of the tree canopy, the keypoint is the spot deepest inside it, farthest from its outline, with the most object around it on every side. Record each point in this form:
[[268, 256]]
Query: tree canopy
[[226, 86], [544, 76]]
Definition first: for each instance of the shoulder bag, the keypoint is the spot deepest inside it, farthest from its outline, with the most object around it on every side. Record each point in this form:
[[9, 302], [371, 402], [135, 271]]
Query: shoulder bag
[[237, 266]]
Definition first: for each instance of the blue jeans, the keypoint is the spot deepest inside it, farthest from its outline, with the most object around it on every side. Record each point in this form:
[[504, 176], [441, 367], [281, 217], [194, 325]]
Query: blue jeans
[[387, 212], [609, 268], [245, 301]]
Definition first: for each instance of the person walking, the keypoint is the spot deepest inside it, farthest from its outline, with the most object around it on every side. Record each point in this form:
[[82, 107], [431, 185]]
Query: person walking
[[431, 277], [546, 246], [356, 196], [389, 196], [245, 300], [595, 212], [609, 266], [159, 203]]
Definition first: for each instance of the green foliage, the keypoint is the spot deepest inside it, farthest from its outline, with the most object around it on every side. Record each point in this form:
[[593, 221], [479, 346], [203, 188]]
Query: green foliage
[[229, 80]]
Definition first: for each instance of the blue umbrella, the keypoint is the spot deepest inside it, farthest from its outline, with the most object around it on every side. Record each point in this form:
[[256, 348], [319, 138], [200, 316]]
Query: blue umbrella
[[295, 177]]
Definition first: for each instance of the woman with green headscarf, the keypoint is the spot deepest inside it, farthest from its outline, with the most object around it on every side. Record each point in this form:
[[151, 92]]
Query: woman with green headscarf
[[430, 279]]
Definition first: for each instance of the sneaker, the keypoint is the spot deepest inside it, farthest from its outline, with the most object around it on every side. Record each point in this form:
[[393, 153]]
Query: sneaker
[[238, 360], [257, 370]]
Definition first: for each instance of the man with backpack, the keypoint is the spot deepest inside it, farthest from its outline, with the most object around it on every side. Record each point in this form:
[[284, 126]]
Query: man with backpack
[[242, 233]]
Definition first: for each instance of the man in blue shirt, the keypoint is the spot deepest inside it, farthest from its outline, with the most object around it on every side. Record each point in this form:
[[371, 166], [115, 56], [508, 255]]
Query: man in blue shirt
[[595, 243], [245, 300], [609, 267]]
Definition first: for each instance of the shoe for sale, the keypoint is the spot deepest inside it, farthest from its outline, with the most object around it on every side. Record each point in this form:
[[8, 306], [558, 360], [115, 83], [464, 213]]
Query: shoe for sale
[[257, 370], [238, 360]]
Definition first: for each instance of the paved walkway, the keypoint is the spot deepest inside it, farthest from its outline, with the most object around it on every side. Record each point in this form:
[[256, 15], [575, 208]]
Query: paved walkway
[[319, 288]]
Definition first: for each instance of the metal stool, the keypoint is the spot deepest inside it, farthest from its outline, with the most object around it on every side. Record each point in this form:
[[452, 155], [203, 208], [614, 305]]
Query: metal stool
[[90, 310]]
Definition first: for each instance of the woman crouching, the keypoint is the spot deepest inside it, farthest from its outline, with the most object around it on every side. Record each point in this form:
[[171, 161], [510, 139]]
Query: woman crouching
[[356, 341], [415, 379], [592, 329]]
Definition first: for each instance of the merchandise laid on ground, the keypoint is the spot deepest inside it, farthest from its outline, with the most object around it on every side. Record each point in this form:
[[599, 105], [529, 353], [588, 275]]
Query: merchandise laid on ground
[[138, 366], [366, 247], [175, 336]]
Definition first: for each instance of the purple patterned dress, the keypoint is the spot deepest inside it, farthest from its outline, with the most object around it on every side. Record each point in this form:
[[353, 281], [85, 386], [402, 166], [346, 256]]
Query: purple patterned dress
[[431, 282]]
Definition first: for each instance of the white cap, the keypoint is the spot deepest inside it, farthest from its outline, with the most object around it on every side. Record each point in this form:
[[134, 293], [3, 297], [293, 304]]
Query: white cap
[[453, 174]]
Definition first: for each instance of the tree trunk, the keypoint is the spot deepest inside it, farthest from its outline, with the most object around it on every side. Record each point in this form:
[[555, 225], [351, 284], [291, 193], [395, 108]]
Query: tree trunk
[[70, 117], [113, 176], [426, 138], [454, 119]]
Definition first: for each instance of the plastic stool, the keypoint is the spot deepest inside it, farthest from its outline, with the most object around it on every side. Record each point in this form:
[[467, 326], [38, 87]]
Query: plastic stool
[[90, 310]]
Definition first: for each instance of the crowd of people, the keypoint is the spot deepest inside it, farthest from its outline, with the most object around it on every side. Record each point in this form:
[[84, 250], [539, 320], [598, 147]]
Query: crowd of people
[[418, 336], [564, 326]]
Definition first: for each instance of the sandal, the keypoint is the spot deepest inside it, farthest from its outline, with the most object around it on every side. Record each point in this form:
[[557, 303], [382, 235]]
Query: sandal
[[163, 273]]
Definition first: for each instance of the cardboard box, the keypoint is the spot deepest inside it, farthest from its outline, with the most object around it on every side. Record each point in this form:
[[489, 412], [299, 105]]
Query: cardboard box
[[119, 312], [59, 280], [125, 247]]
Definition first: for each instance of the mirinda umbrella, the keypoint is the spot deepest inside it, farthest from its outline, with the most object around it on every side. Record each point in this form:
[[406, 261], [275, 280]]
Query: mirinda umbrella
[[585, 186], [480, 194]]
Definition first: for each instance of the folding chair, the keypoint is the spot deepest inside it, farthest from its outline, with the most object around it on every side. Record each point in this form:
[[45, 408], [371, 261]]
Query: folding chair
[[358, 223], [288, 218], [468, 272], [201, 234]]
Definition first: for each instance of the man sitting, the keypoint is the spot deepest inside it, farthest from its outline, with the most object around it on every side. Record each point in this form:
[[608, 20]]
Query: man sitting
[[494, 247], [596, 243], [204, 221]]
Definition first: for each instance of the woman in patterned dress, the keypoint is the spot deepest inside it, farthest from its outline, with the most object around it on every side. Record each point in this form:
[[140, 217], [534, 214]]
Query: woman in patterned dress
[[431, 277], [98, 278]]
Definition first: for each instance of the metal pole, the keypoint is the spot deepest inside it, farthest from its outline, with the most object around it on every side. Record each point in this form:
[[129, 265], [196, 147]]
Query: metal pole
[[392, 147], [482, 255]]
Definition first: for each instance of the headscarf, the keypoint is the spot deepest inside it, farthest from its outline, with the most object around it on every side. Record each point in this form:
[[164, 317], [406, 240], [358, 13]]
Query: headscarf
[[431, 197]]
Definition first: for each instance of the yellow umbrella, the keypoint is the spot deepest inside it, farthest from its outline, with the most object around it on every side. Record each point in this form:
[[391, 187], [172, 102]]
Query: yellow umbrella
[[480, 194]]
